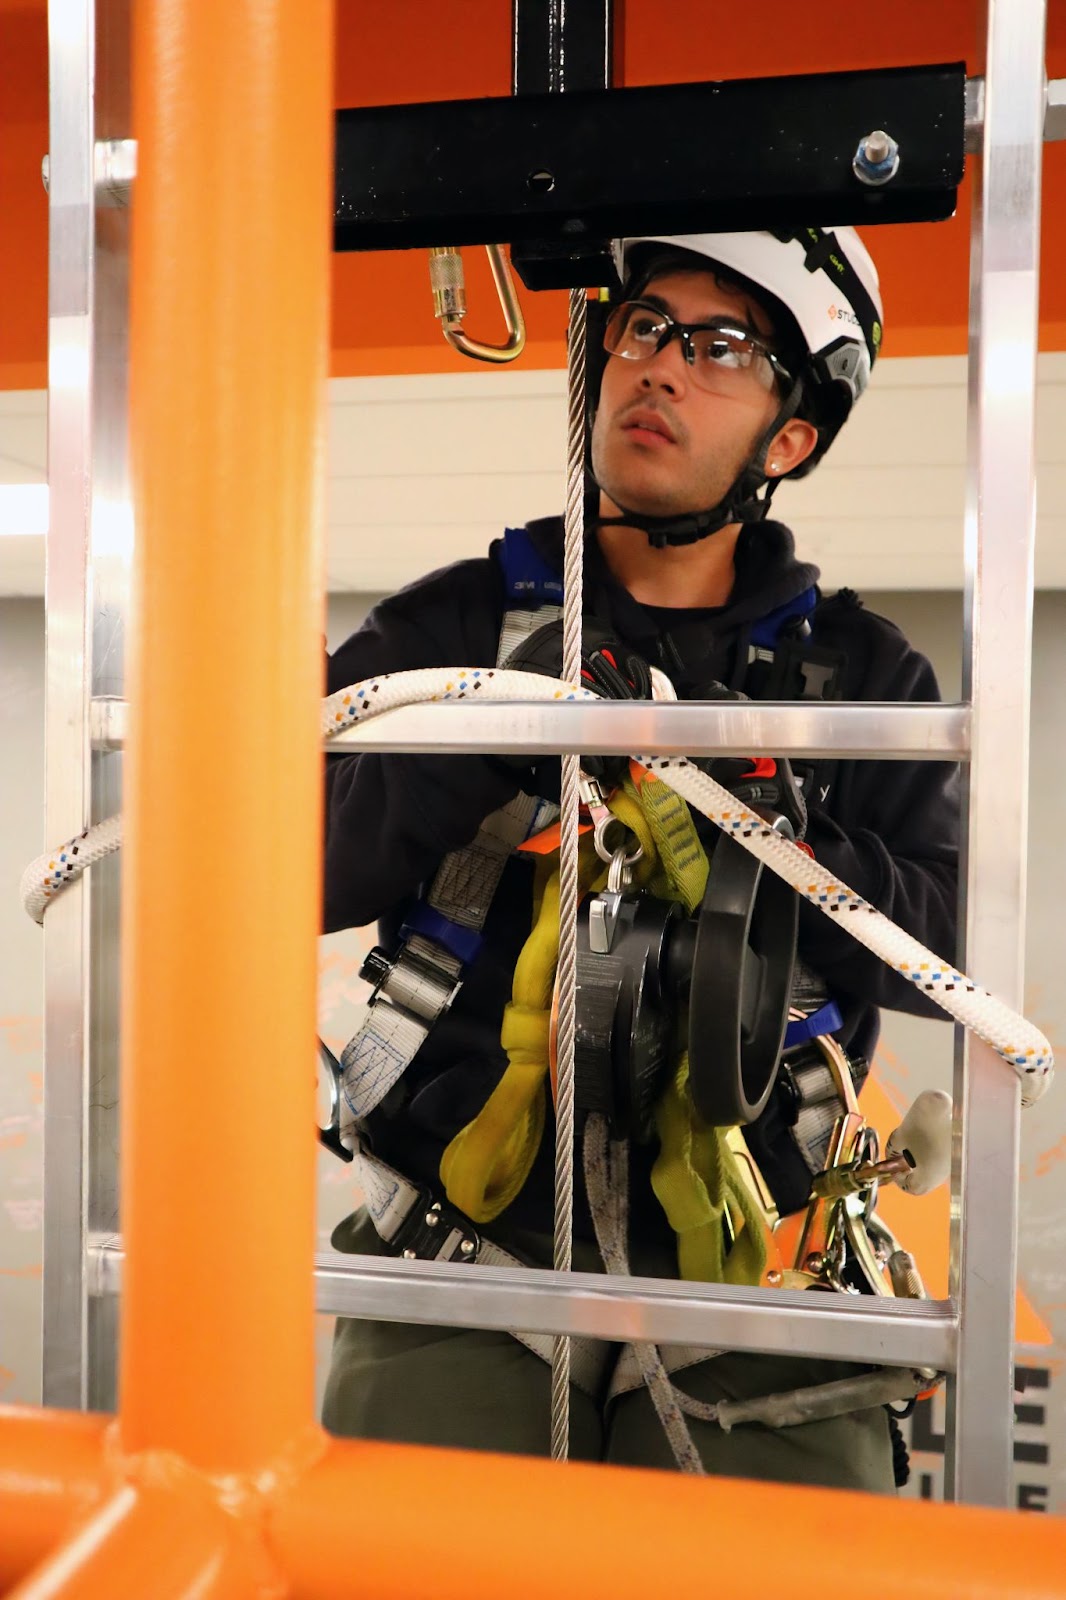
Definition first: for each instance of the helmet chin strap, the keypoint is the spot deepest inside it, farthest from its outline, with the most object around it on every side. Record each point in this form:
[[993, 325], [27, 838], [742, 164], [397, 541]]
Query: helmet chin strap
[[740, 503]]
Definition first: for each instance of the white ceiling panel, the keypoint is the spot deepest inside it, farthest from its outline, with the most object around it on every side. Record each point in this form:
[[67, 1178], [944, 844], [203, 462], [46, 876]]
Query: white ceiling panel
[[424, 470]]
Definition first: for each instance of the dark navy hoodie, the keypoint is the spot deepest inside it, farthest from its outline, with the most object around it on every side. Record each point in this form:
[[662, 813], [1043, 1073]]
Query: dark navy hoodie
[[889, 829]]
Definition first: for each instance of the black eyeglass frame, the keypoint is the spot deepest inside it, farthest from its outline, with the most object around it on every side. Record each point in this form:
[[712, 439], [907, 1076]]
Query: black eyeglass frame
[[683, 331]]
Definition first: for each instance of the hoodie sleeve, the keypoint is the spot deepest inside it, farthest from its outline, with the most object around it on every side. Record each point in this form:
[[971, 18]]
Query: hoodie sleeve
[[390, 819], [892, 834]]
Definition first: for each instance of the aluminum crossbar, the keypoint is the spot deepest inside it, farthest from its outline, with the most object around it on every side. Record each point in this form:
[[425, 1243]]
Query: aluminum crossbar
[[821, 729], [901, 1333]]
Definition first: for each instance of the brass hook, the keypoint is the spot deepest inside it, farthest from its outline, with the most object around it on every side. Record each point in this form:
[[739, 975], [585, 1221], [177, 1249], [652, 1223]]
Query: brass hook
[[449, 304]]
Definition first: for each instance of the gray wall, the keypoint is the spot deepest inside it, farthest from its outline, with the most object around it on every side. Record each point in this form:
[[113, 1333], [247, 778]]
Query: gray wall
[[913, 1053]]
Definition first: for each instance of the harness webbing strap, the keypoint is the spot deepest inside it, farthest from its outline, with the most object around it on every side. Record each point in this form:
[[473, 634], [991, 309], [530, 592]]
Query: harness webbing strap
[[391, 1201], [423, 979], [518, 625], [426, 974]]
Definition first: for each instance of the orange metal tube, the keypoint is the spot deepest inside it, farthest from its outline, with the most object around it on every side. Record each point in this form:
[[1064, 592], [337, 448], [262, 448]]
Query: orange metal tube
[[51, 1473], [230, 264], [166, 1543], [463, 1526]]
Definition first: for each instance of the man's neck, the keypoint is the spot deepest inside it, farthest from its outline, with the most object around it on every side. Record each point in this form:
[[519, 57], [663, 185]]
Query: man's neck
[[680, 576]]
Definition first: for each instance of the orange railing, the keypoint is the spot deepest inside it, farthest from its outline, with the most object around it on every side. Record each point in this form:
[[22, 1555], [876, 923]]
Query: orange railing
[[214, 1480]]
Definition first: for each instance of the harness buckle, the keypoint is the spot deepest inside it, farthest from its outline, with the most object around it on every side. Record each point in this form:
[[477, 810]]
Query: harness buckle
[[410, 984], [434, 1230]]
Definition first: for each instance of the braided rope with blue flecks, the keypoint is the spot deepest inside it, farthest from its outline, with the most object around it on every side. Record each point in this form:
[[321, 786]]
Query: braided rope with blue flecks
[[1019, 1042]]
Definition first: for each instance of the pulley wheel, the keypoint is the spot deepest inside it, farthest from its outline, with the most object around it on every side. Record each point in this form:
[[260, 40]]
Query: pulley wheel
[[741, 983]]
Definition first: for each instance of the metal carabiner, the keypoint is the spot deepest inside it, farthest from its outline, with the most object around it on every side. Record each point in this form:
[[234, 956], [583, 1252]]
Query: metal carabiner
[[604, 907], [604, 850], [449, 303], [330, 1136]]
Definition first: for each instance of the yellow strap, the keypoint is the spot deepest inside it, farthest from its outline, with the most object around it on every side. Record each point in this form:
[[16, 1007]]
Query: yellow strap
[[695, 1177], [675, 865], [489, 1160]]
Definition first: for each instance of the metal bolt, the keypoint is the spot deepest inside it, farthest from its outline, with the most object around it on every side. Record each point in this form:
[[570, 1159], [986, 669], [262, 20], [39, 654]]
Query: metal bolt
[[815, 1263], [409, 1255], [432, 1218], [1055, 113], [876, 160], [773, 1278], [114, 169], [974, 125], [467, 1247]]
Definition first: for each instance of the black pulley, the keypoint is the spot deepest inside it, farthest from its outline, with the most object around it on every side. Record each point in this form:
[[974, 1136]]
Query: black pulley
[[652, 982], [741, 982], [625, 1012]]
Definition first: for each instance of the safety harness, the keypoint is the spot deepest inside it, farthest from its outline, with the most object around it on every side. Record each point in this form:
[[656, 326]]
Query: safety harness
[[441, 937], [413, 988]]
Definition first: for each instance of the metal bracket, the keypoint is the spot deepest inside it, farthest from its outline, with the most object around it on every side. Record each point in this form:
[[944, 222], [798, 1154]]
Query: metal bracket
[[1054, 112]]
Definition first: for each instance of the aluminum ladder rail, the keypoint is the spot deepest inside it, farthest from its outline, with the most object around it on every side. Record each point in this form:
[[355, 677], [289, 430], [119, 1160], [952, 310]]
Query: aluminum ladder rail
[[89, 543]]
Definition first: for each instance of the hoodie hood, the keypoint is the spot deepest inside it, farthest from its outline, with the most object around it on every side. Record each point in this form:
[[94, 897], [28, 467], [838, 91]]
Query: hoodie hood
[[698, 646]]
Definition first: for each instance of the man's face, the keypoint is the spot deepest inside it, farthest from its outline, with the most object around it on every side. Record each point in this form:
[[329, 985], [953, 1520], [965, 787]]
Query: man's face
[[661, 444]]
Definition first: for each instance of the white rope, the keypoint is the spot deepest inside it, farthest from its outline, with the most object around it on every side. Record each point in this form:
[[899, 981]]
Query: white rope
[[1020, 1044], [1010, 1035], [51, 873], [569, 806]]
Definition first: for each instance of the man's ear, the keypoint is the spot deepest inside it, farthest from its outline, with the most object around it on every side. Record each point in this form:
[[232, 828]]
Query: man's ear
[[791, 445]]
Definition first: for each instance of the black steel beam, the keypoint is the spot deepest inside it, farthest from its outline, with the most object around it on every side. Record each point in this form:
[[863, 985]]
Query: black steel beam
[[560, 47], [680, 158]]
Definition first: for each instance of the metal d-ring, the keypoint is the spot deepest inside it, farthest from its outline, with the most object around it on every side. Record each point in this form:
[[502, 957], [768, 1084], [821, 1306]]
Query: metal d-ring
[[619, 872], [603, 849]]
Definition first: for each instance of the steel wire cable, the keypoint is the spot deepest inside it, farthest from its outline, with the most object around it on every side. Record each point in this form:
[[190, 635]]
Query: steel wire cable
[[569, 801]]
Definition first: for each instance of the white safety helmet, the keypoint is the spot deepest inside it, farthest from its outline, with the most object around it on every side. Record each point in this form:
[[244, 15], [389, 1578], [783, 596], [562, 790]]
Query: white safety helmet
[[824, 282], [824, 278]]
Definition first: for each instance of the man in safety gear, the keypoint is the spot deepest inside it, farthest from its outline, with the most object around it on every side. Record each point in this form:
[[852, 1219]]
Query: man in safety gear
[[731, 362]]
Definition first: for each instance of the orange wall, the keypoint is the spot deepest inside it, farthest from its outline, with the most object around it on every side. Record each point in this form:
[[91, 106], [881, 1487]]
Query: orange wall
[[412, 50]]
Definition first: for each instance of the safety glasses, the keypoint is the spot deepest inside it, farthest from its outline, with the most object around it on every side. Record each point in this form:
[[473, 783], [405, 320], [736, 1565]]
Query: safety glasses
[[724, 357]]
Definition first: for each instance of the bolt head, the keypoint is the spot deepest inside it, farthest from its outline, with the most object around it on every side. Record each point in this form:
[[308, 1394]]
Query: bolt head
[[878, 147], [467, 1247], [876, 160], [773, 1278], [409, 1255]]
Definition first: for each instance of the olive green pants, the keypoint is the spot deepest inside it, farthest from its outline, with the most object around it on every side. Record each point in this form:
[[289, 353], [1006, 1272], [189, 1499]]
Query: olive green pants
[[482, 1390]]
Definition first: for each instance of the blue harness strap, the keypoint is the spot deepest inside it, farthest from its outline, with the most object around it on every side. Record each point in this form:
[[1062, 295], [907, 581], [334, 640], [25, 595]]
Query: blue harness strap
[[826, 1019], [766, 633], [527, 577]]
